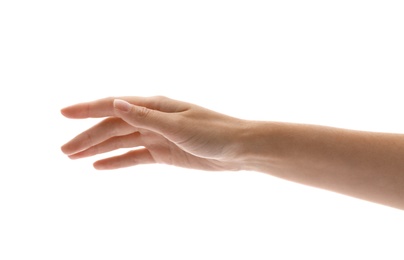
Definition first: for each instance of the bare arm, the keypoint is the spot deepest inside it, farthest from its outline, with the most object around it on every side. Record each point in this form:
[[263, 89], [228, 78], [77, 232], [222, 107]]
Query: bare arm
[[361, 164], [365, 165]]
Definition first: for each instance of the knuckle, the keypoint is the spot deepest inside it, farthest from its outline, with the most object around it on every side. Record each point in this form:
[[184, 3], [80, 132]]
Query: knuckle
[[110, 99], [142, 112], [160, 97], [158, 100]]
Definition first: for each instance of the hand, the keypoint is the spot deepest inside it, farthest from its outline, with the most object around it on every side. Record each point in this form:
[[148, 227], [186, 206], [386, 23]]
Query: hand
[[161, 129], [360, 164]]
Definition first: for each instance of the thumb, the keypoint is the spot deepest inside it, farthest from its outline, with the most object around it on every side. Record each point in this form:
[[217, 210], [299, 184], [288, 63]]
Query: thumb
[[143, 117]]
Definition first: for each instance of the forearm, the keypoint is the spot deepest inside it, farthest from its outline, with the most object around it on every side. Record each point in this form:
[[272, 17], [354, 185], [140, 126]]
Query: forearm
[[365, 165]]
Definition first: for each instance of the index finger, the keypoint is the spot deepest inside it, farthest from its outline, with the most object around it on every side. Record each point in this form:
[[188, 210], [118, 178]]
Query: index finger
[[104, 107]]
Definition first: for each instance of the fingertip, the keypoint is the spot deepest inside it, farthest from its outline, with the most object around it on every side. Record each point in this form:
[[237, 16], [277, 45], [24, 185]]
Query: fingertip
[[63, 149], [67, 149], [99, 166], [68, 112], [63, 111], [73, 156], [77, 111]]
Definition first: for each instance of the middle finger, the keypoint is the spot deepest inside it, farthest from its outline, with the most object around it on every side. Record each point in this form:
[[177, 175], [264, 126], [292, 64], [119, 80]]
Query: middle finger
[[102, 131]]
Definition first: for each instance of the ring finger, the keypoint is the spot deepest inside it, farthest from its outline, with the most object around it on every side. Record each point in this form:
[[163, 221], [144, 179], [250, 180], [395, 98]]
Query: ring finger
[[114, 143]]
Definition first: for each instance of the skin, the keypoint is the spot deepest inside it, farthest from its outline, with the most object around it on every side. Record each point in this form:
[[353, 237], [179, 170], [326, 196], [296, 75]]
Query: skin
[[365, 165]]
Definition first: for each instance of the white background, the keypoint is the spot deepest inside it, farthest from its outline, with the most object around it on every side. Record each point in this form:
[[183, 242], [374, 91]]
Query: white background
[[337, 63]]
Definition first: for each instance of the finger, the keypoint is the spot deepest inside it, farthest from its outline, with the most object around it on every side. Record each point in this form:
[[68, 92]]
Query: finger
[[104, 107], [114, 143], [104, 130], [135, 157], [143, 117]]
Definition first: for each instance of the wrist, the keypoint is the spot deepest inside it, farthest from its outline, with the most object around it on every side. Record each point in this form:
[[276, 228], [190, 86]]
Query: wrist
[[259, 147]]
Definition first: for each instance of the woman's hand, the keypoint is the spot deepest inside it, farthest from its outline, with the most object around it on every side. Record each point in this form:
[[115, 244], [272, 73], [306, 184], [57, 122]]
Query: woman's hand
[[160, 130]]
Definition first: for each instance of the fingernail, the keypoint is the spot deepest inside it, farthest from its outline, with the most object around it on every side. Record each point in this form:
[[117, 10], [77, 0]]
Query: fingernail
[[122, 105]]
